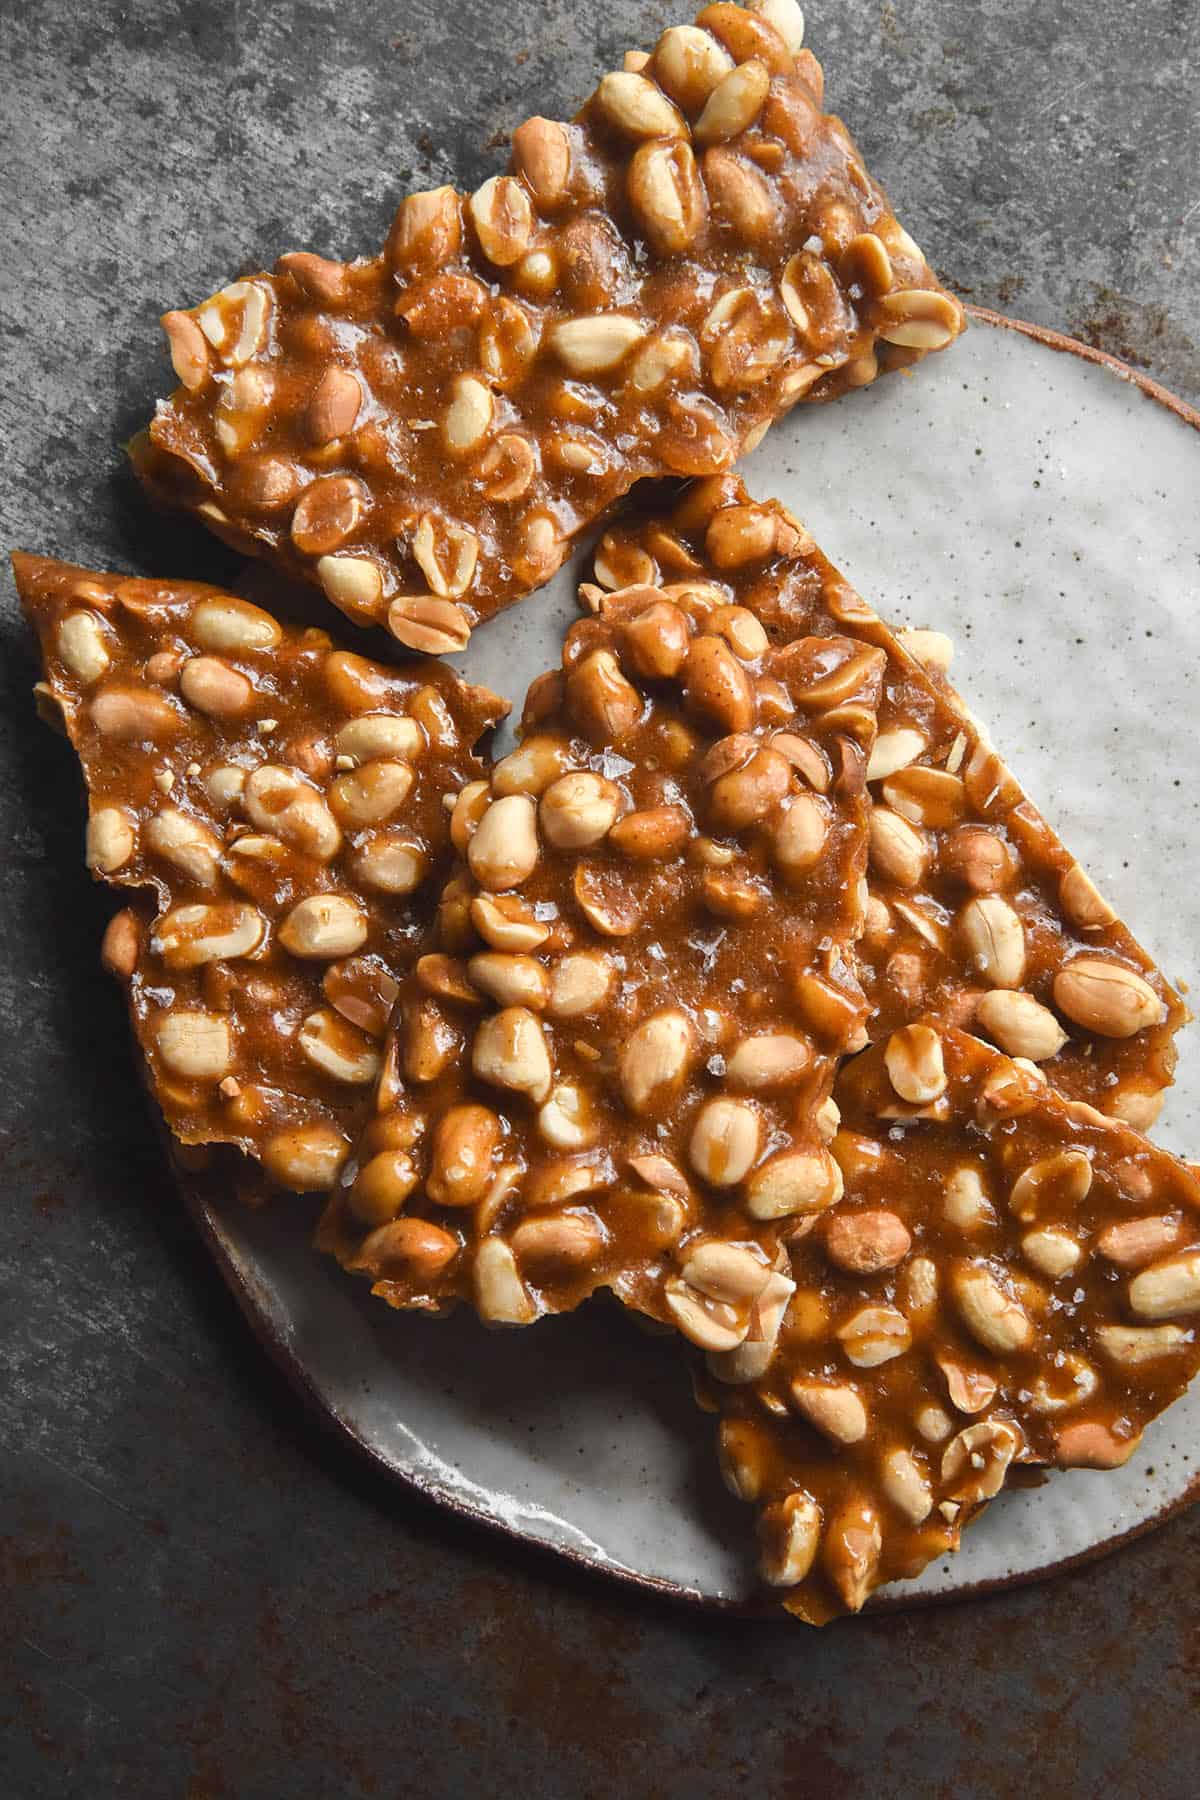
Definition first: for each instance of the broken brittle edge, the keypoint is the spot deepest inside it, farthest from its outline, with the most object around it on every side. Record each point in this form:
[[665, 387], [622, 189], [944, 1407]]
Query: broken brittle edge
[[421, 433], [1010, 1278], [281, 802]]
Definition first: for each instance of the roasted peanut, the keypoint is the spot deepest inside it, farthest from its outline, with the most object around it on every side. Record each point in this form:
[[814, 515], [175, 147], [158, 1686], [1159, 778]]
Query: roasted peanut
[[187, 844], [867, 1242], [287, 805], [991, 1315], [667, 196], [725, 1141], [506, 923], [510, 1051], [750, 781], [1105, 997], [789, 1536], [995, 940], [655, 833], [564, 1241], [898, 852], [605, 704], [1130, 1346], [531, 768], [977, 1460], [654, 1061], [305, 1158], [464, 1146], [773, 1060], [503, 851], [121, 944], [135, 715], [1167, 1290], [580, 984], [966, 1205], [390, 863], [196, 1045], [689, 64], [874, 1335], [409, 1248], [711, 1325], [837, 1412], [372, 794], [716, 686], [979, 859], [578, 810], [654, 641], [906, 1486], [915, 1065], [500, 1295], [794, 1181], [1020, 1024], [83, 644], [894, 750], [1090, 1445], [1132, 1243], [1052, 1251], [636, 107], [510, 980], [111, 839], [1081, 901], [541, 153], [734, 103], [798, 840], [725, 1271], [189, 936], [324, 926], [1052, 1184]]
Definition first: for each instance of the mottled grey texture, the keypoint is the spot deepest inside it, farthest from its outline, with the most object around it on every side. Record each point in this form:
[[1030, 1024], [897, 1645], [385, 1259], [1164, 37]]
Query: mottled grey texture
[[202, 1596]]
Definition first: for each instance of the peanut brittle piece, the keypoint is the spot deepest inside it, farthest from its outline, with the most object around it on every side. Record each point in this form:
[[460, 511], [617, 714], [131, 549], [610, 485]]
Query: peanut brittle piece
[[421, 433], [1009, 1278], [976, 911], [282, 800], [612, 1067]]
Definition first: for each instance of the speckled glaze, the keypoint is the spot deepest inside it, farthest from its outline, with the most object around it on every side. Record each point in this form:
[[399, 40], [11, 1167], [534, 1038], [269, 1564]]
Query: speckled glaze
[[1040, 506]]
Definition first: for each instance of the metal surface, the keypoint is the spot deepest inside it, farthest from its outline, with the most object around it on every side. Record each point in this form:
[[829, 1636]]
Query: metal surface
[[204, 1595]]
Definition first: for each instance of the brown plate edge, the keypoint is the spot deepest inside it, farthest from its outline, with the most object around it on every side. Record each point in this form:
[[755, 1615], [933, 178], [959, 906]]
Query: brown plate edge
[[1058, 340], [242, 1288], [241, 1285]]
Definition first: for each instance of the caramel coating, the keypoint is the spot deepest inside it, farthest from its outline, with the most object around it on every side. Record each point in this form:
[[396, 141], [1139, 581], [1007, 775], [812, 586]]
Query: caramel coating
[[977, 912], [278, 802], [904, 1393], [421, 433], [626, 1024]]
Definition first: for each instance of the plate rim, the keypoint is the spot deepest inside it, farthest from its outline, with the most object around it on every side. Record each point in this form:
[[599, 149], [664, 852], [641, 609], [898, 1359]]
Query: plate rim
[[240, 1283]]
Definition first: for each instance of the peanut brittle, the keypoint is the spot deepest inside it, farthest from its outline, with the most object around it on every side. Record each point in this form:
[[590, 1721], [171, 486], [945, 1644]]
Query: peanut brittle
[[976, 911], [613, 1065], [421, 433], [1009, 1278], [283, 802]]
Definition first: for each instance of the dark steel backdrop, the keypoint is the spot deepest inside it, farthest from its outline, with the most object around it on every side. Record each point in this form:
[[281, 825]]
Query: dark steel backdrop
[[201, 1595]]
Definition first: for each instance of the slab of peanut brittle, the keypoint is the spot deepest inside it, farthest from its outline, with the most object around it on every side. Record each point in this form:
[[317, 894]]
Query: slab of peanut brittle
[[616, 1056], [282, 801], [423, 432], [976, 910], [1009, 1277]]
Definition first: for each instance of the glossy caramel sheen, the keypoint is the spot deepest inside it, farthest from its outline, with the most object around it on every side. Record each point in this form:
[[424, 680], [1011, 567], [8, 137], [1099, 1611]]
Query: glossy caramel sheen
[[978, 837], [423, 432], [156, 754], [1066, 1365], [721, 929]]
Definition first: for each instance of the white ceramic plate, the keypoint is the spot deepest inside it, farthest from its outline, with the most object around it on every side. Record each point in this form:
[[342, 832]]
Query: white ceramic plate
[[1040, 504]]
